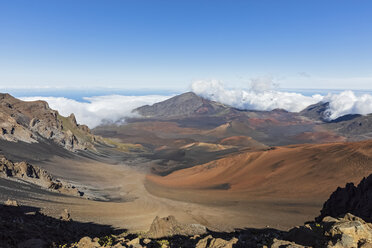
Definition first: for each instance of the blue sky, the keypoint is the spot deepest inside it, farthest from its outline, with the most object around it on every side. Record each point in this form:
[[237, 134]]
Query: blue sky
[[168, 44]]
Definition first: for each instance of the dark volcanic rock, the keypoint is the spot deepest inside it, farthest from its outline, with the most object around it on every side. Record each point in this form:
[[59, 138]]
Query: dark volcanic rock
[[351, 199], [355, 127], [316, 111]]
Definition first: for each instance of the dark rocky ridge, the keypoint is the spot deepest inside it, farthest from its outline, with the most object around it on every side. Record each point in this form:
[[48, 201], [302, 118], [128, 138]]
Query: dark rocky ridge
[[355, 127], [356, 200], [316, 111]]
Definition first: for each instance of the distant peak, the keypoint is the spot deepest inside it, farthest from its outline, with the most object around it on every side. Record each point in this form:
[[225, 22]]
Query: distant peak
[[183, 105], [316, 111], [188, 95]]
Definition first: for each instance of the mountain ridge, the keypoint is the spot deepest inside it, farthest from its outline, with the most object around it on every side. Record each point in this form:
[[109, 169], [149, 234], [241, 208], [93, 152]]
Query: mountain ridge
[[33, 121]]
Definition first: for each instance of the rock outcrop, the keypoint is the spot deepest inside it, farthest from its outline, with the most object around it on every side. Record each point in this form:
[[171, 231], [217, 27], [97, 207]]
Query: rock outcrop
[[347, 231], [34, 121], [12, 203], [65, 215], [169, 226], [350, 199], [33, 174], [210, 242], [316, 111]]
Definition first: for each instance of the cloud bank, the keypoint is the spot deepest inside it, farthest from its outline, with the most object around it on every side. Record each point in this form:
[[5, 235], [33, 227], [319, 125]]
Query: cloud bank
[[99, 108], [348, 103], [263, 94]]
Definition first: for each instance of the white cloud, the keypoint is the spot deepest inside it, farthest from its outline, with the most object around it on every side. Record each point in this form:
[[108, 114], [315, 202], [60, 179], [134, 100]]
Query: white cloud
[[99, 108], [348, 103], [263, 95]]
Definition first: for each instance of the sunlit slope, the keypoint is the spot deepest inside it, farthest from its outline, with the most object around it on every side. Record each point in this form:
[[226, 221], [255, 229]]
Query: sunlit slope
[[291, 171]]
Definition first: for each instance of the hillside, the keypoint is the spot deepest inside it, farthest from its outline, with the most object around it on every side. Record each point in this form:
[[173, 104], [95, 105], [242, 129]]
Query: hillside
[[32, 122], [283, 172]]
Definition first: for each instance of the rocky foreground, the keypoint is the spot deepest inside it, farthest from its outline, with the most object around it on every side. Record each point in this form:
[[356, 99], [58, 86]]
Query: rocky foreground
[[22, 226], [344, 222], [25, 227], [347, 231]]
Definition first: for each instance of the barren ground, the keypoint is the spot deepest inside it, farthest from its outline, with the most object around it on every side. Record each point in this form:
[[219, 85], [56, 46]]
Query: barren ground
[[130, 205]]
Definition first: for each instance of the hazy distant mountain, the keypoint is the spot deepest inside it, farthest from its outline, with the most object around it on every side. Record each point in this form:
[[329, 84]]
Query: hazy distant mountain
[[189, 116], [184, 105], [194, 119]]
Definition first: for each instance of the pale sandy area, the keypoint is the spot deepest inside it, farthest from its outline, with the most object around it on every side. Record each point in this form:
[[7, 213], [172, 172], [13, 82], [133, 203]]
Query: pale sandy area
[[131, 205]]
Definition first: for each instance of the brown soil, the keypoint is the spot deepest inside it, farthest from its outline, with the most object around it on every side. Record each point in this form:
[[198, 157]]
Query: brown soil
[[290, 171], [276, 187]]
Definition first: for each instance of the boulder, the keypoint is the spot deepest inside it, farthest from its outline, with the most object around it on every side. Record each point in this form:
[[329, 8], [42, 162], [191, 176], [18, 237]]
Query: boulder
[[210, 242], [349, 231], [146, 241], [87, 242], [65, 215], [12, 203], [133, 242], [203, 242], [283, 243], [221, 243], [169, 226]]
